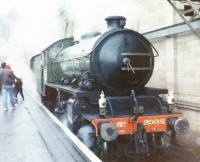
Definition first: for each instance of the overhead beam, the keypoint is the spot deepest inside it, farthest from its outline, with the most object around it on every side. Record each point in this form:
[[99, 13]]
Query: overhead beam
[[171, 30]]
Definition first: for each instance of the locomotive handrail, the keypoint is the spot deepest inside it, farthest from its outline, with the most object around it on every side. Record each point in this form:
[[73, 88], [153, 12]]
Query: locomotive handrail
[[157, 54], [76, 58], [110, 106], [134, 101]]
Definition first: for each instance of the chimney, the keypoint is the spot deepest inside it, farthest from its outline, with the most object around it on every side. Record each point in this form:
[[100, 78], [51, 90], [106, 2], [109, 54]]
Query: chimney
[[114, 22]]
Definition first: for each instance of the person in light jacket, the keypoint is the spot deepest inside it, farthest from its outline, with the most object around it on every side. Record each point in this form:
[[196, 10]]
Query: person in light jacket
[[7, 78]]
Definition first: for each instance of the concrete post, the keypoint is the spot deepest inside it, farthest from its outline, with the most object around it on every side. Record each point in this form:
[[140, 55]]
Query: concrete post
[[171, 54]]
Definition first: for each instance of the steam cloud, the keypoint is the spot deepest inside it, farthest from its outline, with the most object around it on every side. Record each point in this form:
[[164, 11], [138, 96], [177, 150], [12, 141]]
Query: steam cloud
[[35, 24], [89, 15]]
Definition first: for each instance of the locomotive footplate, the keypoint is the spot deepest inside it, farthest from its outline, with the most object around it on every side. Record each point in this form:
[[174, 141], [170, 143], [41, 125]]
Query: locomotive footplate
[[151, 123]]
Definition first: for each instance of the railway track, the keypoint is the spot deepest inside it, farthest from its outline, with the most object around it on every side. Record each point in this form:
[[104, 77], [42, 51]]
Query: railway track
[[66, 139]]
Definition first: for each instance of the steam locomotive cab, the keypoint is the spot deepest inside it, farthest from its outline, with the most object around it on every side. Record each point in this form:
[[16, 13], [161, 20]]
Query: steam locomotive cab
[[100, 84]]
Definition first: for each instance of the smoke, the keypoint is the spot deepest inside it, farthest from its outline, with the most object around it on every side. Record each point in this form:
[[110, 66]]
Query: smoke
[[37, 24], [31, 26], [89, 15], [34, 25]]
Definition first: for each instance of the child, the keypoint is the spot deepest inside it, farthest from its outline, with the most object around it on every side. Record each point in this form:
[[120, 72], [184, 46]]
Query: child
[[18, 88]]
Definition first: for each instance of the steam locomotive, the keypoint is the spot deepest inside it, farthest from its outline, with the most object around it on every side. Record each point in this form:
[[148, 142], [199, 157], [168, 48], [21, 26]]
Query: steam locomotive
[[99, 82]]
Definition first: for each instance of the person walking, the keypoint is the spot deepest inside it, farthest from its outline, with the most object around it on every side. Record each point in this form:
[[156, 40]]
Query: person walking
[[18, 88], [7, 79]]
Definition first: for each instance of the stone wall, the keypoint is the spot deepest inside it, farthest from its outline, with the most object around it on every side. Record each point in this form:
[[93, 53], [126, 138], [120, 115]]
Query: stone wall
[[178, 66], [188, 68]]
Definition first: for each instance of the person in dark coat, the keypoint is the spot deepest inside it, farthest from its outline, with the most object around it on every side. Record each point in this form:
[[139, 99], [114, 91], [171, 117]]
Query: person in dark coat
[[18, 88]]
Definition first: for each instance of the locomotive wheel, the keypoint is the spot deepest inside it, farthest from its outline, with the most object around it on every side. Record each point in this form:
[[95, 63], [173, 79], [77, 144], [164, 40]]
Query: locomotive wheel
[[86, 134], [58, 107], [74, 121], [50, 98], [69, 118]]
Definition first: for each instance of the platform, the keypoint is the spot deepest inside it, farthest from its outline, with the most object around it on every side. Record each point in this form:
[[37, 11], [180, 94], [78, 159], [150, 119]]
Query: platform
[[27, 134]]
